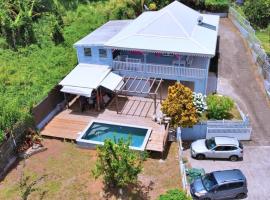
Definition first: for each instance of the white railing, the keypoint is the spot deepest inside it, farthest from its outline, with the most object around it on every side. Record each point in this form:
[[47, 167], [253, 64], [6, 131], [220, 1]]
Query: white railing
[[160, 69], [182, 166]]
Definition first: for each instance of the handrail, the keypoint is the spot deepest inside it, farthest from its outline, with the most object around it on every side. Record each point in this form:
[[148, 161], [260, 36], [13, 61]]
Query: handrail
[[160, 69]]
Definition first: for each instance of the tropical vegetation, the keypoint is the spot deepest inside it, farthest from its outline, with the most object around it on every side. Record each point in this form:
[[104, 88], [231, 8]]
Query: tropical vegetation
[[117, 164], [36, 47], [179, 106]]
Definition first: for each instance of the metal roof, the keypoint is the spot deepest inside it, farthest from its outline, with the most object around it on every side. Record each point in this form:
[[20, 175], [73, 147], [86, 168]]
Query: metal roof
[[174, 29], [103, 33], [86, 77]]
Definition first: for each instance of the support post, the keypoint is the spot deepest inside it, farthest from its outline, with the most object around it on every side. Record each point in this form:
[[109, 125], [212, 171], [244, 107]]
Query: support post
[[98, 101], [155, 104], [116, 101]]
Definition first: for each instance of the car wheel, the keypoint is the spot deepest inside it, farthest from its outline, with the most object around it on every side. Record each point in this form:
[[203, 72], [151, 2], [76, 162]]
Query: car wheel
[[200, 156], [241, 196], [234, 158]]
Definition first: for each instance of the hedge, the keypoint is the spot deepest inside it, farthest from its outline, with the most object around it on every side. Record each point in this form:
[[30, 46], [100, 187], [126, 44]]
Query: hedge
[[217, 5]]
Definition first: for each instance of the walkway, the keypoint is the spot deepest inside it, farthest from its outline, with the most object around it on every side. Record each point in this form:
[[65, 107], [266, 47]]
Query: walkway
[[239, 78]]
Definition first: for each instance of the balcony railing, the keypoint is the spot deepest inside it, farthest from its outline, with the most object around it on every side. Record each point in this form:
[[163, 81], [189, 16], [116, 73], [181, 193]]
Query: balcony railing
[[160, 69]]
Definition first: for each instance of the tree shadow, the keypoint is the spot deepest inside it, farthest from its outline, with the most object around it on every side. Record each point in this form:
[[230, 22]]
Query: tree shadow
[[134, 191]]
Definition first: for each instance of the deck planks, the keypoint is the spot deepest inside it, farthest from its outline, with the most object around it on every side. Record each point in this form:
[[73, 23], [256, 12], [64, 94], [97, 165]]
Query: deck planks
[[137, 111]]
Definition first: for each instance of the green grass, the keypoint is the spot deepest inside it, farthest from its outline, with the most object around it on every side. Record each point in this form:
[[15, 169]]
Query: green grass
[[264, 37]]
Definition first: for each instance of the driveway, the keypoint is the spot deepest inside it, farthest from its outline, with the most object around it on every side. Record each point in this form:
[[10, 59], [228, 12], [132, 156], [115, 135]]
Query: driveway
[[255, 166], [238, 77]]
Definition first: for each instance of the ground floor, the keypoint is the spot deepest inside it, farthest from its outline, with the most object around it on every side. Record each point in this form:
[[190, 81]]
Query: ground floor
[[67, 175]]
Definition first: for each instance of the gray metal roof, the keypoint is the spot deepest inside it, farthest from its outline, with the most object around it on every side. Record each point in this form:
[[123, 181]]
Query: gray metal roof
[[103, 33], [175, 29]]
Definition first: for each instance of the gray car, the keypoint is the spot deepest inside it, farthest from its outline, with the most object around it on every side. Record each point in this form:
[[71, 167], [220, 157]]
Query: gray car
[[217, 147], [227, 184]]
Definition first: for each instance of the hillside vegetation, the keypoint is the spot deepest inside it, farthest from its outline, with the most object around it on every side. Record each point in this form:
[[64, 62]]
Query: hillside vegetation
[[36, 47]]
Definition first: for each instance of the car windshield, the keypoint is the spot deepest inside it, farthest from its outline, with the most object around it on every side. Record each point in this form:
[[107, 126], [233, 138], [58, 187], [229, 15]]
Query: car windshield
[[210, 143], [209, 181]]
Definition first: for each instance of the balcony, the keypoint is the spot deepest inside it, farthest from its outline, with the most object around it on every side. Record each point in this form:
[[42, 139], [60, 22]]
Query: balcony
[[159, 69]]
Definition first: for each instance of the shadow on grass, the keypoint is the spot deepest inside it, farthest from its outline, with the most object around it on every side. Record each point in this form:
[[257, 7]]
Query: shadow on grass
[[136, 191]]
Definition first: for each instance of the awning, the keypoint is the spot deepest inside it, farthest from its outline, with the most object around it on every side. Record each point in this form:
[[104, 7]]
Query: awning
[[84, 78], [112, 81], [77, 91]]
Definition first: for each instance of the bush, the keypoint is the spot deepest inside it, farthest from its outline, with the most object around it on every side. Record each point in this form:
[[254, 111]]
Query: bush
[[217, 5], [258, 12], [219, 106], [117, 164], [179, 106], [174, 194]]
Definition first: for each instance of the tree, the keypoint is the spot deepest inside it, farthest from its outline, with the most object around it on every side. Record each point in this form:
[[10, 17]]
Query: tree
[[174, 194], [117, 164], [179, 106], [258, 12]]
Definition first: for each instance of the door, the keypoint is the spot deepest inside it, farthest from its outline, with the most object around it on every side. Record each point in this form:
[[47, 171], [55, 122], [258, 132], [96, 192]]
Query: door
[[221, 192], [219, 152]]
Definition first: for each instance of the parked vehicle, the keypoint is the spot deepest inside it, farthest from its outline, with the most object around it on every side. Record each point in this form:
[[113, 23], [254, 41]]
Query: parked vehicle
[[217, 147], [227, 184]]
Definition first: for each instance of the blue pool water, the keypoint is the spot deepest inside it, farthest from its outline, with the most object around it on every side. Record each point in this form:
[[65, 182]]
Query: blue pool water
[[101, 131]]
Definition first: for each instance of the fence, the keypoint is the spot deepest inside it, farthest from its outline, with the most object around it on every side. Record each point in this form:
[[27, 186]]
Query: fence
[[259, 55], [46, 109], [8, 149], [182, 167]]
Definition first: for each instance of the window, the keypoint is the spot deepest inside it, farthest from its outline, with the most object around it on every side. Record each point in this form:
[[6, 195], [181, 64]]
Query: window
[[102, 53], [209, 181], [223, 187], [230, 148], [210, 143], [236, 185], [219, 148], [87, 52]]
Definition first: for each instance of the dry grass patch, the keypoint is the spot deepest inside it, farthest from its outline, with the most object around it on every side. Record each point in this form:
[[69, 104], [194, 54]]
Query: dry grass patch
[[68, 175]]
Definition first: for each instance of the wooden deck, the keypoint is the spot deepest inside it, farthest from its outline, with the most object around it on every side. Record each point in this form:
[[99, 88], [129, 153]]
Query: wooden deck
[[134, 111]]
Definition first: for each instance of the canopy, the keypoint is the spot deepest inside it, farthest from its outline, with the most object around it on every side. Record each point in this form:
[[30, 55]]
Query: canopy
[[84, 78]]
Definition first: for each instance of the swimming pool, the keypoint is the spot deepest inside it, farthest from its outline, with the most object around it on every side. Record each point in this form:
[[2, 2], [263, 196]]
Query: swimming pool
[[97, 131]]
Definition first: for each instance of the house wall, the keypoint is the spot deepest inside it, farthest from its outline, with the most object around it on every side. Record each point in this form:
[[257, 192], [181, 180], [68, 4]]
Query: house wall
[[200, 85], [94, 59]]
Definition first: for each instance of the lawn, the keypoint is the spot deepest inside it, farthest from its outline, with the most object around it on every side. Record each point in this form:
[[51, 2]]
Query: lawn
[[264, 37], [67, 169]]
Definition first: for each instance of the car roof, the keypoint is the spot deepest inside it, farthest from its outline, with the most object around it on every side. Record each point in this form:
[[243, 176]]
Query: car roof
[[226, 141], [228, 176]]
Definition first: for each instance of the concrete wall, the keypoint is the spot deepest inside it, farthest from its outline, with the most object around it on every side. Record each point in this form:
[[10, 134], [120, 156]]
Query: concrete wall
[[94, 58], [196, 132]]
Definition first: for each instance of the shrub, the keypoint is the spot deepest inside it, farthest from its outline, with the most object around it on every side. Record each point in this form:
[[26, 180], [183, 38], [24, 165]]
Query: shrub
[[199, 102], [217, 5], [219, 106], [258, 12], [174, 194], [117, 164], [179, 106]]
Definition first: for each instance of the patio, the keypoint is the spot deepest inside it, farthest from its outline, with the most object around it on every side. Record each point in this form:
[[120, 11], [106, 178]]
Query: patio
[[132, 110]]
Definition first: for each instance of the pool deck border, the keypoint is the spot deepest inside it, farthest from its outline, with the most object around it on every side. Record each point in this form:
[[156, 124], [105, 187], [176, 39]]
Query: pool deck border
[[93, 143]]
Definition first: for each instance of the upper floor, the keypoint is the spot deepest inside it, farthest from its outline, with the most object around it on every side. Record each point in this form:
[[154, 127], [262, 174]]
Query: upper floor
[[173, 42]]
